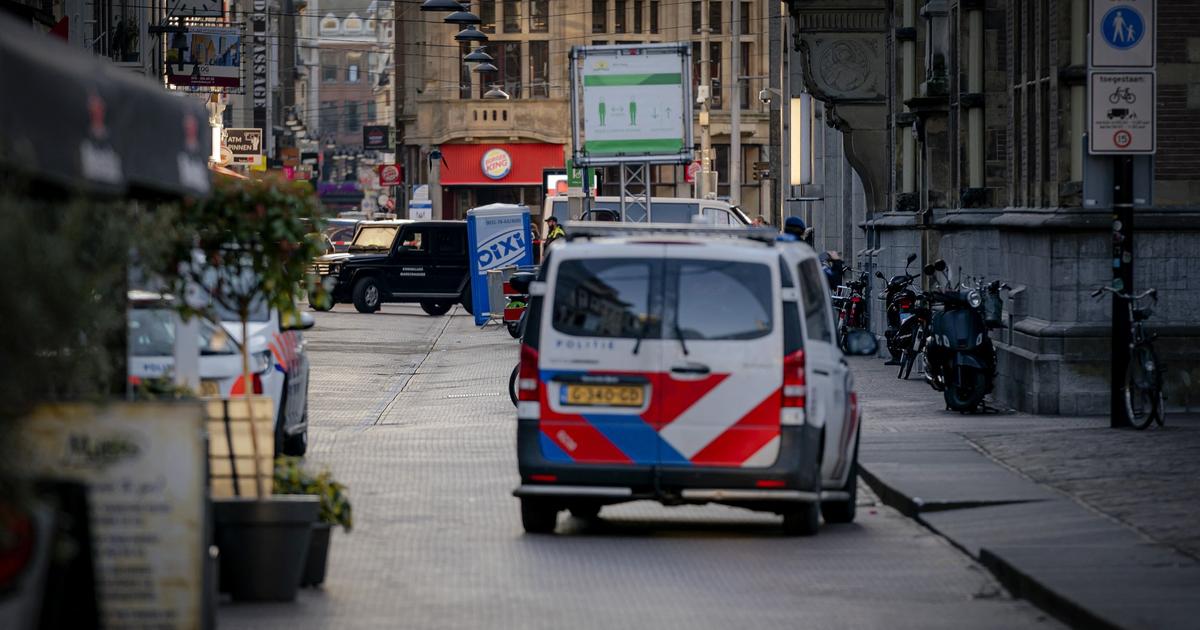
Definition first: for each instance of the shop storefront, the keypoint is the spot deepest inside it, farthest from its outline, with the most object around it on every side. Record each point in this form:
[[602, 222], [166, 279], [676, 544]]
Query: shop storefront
[[474, 175]]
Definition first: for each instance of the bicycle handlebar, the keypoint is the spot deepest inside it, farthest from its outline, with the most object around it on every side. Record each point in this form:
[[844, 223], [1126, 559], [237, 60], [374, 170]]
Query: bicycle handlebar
[[1125, 296]]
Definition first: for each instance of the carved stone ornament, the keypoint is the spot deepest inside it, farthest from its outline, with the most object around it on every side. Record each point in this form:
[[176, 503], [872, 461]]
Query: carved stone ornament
[[847, 67]]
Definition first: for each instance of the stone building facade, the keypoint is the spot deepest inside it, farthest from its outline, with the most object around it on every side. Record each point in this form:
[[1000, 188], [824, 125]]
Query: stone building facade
[[441, 104], [967, 124]]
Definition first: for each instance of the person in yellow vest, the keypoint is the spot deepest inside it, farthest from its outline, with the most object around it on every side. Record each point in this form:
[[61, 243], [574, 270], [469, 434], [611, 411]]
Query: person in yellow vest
[[554, 231]]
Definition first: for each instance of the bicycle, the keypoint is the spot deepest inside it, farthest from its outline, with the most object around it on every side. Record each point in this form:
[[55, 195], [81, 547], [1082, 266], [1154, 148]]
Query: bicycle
[[1144, 376]]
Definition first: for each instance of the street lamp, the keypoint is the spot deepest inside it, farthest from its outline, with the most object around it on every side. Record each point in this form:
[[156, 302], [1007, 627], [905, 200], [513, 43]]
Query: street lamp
[[470, 34], [486, 67], [478, 55], [441, 5], [463, 18], [496, 93]]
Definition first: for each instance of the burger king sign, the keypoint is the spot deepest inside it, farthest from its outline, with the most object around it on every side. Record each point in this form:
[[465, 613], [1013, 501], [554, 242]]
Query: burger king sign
[[496, 163]]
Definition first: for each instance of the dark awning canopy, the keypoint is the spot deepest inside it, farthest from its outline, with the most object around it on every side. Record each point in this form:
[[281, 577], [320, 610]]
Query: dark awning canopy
[[80, 122]]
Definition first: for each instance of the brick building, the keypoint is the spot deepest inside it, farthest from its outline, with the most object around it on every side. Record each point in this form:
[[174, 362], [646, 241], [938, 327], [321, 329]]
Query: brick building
[[966, 120]]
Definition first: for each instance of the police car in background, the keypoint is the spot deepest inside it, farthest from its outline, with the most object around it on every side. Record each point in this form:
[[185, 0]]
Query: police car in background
[[684, 364]]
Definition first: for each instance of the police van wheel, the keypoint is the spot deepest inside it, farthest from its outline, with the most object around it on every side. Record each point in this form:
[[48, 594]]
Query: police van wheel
[[538, 517], [802, 520], [366, 295], [435, 308]]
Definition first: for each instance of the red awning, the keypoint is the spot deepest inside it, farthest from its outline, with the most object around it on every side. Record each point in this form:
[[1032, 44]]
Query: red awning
[[506, 164]]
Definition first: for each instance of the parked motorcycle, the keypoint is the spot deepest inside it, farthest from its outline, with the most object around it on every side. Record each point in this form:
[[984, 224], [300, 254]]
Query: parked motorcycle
[[899, 298], [960, 360], [913, 333], [851, 305]]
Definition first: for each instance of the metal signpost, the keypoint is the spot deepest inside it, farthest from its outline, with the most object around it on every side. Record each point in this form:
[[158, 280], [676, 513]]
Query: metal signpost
[[1122, 115], [631, 108]]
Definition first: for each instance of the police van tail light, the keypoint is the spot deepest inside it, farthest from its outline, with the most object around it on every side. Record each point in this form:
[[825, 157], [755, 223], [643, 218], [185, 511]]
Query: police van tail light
[[528, 382], [795, 393]]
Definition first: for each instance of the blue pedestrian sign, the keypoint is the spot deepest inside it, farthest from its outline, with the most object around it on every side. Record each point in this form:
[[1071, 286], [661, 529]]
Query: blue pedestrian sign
[[1123, 34], [1123, 27]]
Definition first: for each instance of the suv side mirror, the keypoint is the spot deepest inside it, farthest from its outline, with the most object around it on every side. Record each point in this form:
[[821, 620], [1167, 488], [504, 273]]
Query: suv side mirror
[[520, 282], [861, 343]]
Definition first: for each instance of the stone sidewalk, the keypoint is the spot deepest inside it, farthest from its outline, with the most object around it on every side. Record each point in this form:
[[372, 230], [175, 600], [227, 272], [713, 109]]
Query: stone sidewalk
[[1101, 527]]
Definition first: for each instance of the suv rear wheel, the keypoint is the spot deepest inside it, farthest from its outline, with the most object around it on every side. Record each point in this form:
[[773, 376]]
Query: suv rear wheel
[[435, 308], [538, 517], [366, 295]]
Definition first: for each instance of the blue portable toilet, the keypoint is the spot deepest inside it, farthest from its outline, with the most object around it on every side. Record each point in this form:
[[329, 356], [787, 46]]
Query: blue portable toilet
[[498, 236]]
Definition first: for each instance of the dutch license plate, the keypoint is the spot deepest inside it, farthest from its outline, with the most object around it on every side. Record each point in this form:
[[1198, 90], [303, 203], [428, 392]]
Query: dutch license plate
[[209, 388], [603, 395]]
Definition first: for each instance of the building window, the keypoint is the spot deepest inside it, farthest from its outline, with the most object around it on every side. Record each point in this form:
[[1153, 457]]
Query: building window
[[638, 21], [512, 16], [464, 71], [353, 23], [329, 24], [714, 55], [696, 23], [539, 69], [372, 112], [599, 16], [508, 62], [329, 117], [714, 16], [619, 16], [353, 61], [487, 16], [329, 67], [539, 16], [1033, 183], [654, 16], [352, 120], [747, 57], [747, 21]]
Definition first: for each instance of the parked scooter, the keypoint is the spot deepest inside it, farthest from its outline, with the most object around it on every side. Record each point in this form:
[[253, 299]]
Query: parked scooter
[[899, 298], [960, 360], [913, 333]]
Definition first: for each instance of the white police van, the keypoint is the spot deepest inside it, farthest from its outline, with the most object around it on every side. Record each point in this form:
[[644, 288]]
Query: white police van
[[684, 364]]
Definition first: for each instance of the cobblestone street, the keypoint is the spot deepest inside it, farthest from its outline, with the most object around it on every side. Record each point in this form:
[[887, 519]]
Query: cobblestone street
[[412, 413]]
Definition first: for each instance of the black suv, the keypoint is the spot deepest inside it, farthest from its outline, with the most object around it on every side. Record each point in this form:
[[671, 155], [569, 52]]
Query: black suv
[[401, 261]]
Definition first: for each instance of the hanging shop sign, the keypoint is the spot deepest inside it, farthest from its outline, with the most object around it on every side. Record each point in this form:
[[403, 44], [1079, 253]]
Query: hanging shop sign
[[391, 174], [377, 137], [205, 59], [496, 163]]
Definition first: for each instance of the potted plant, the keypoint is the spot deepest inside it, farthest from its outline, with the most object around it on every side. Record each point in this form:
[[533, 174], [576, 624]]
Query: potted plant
[[292, 478], [245, 246]]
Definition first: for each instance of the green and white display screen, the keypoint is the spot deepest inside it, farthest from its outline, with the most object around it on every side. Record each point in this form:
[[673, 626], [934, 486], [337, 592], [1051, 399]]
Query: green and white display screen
[[633, 102]]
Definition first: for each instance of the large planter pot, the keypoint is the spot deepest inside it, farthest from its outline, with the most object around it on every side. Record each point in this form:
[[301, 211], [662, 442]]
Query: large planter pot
[[318, 555], [264, 544]]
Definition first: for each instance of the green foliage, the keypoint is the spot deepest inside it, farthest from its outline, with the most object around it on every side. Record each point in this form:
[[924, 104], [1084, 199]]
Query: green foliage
[[251, 242], [292, 478]]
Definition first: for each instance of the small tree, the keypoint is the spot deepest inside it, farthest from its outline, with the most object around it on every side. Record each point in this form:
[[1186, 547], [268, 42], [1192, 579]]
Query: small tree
[[249, 247]]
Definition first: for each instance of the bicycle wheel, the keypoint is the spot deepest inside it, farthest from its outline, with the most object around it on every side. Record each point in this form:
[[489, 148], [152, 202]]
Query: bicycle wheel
[[1143, 395]]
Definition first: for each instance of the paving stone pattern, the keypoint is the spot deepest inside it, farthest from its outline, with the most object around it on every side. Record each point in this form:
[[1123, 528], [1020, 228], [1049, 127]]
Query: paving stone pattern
[[412, 413]]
